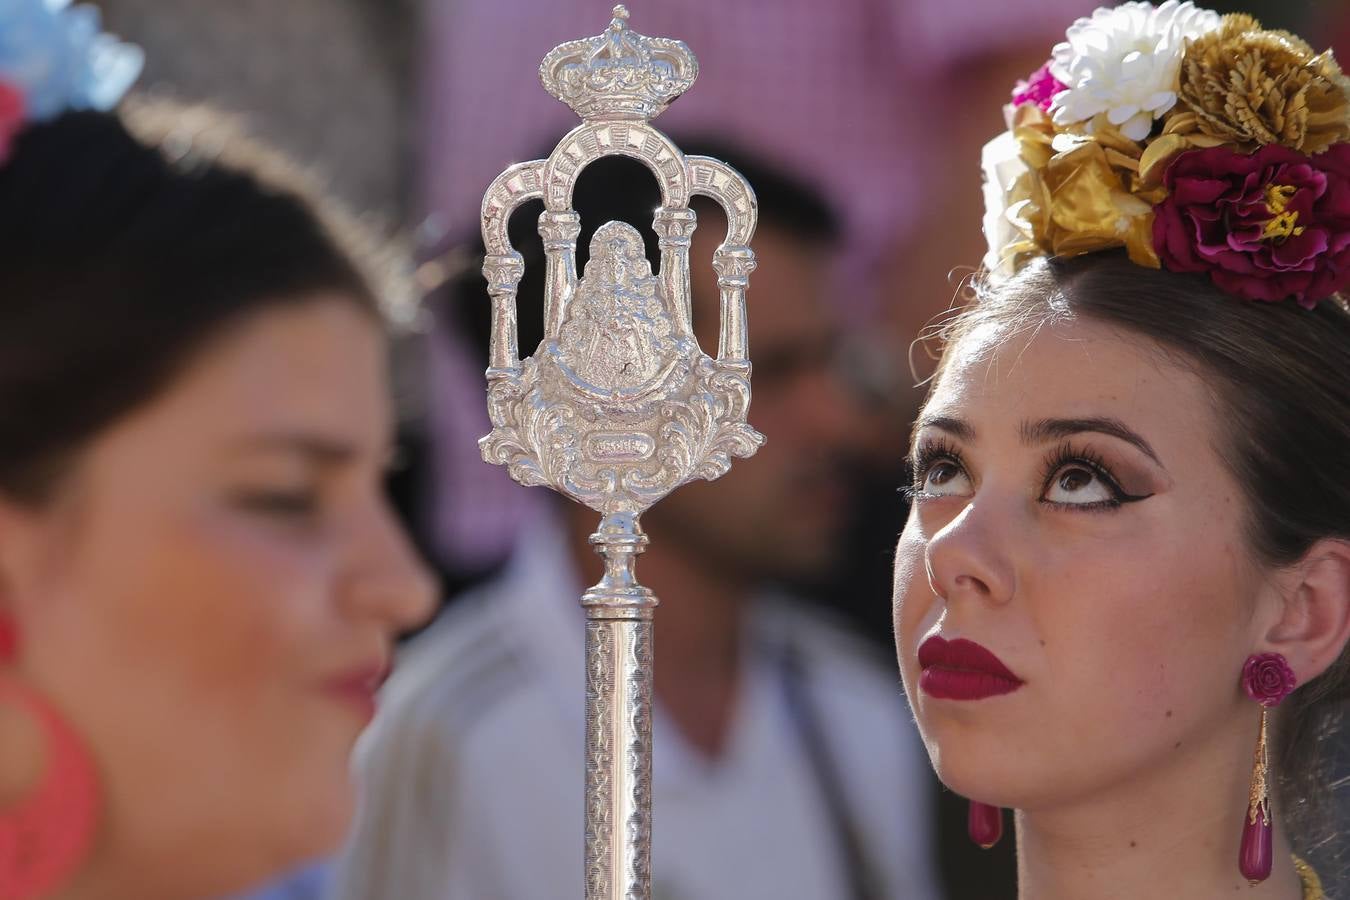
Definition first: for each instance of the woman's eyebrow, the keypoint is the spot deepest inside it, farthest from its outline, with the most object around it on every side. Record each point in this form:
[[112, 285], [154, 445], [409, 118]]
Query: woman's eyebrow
[[1043, 430], [317, 448], [955, 427]]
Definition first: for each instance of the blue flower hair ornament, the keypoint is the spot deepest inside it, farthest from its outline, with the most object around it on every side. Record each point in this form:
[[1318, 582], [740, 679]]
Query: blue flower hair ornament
[[54, 57]]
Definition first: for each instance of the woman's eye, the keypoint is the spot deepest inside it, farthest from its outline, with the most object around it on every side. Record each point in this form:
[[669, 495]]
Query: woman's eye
[[1076, 484], [945, 478], [281, 504]]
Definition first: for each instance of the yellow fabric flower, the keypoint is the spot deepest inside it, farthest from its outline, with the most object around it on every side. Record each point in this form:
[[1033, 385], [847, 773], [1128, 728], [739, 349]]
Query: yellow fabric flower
[[1081, 193], [1251, 86]]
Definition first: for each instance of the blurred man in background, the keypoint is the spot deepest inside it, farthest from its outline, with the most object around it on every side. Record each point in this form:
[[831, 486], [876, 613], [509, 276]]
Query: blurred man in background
[[785, 761], [856, 94], [845, 91]]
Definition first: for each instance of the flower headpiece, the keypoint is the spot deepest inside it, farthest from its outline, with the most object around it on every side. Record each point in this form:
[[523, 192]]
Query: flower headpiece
[[53, 58], [1198, 142]]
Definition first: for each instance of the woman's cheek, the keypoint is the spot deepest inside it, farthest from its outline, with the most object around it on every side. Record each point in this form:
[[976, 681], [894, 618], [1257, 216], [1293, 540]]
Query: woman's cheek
[[266, 589], [912, 599]]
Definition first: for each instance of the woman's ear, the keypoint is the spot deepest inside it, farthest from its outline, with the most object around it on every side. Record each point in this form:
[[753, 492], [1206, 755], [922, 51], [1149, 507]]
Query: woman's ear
[[28, 547], [1314, 622], [9, 552]]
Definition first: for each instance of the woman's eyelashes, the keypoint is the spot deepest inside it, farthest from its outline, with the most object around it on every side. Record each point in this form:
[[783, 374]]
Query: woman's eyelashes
[[1080, 479], [293, 505], [1072, 478], [937, 471]]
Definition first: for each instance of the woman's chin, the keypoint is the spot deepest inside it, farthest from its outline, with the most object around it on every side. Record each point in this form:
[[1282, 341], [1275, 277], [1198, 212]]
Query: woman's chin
[[979, 770], [316, 826], [338, 812]]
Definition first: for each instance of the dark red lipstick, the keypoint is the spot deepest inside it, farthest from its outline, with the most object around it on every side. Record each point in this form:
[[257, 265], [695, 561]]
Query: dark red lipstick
[[962, 670]]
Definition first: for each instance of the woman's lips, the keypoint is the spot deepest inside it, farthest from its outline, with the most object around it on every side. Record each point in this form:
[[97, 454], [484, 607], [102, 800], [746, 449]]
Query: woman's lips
[[962, 670], [358, 687]]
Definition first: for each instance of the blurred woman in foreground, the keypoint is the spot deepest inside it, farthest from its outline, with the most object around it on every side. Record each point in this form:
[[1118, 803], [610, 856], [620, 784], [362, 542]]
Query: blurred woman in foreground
[[199, 577]]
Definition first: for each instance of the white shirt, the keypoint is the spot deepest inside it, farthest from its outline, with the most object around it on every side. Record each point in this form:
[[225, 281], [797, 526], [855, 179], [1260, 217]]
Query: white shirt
[[473, 774]]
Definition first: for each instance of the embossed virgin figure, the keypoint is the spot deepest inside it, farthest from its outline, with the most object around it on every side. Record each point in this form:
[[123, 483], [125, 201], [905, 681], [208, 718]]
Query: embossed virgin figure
[[618, 333]]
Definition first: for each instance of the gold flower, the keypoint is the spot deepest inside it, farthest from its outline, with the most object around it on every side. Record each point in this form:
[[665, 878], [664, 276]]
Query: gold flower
[[1180, 133], [1081, 193], [1252, 86]]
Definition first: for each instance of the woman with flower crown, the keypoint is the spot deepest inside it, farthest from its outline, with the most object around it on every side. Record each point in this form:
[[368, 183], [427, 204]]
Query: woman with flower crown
[[199, 578], [1122, 597]]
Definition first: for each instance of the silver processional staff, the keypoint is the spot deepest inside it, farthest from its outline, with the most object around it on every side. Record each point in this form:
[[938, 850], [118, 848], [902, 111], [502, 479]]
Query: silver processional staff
[[618, 405]]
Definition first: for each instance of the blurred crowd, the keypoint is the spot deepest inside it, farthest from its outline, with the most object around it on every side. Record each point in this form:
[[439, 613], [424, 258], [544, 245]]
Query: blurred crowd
[[786, 762]]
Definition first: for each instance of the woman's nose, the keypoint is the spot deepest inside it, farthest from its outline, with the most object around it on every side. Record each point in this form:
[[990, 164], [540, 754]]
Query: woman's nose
[[388, 580], [968, 558]]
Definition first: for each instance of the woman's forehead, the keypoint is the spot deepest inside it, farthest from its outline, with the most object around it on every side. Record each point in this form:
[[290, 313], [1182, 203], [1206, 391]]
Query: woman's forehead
[[1062, 368]]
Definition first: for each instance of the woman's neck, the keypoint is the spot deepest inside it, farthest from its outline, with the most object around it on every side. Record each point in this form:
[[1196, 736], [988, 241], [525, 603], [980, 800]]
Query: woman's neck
[[1173, 832]]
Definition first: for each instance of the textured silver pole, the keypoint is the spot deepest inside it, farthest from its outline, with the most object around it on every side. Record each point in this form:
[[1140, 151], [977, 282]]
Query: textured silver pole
[[619, 405], [618, 719]]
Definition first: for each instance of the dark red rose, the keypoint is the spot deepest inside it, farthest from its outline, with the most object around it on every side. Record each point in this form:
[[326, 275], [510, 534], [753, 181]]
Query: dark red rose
[[1267, 678], [1267, 226]]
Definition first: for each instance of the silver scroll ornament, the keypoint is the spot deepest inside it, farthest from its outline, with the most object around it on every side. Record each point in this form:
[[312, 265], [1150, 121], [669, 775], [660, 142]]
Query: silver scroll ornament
[[618, 406]]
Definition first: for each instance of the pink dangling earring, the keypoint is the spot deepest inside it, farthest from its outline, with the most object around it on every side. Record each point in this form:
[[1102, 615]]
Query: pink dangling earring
[[985, 824], [46, 836], [1267, 679]]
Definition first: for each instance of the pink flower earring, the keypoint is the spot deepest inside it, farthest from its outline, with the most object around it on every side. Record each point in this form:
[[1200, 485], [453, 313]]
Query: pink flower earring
[[1267, 679], [984, 824], [45, 836]]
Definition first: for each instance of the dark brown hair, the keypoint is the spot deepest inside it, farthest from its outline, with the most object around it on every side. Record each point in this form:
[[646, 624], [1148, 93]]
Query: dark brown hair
[[1282, 376], [122, 255]]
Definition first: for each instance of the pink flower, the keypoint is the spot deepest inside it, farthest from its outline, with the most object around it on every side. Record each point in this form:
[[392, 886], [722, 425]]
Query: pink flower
[[1267, 678], [1269, 225], [1040, 88], [12, 111]]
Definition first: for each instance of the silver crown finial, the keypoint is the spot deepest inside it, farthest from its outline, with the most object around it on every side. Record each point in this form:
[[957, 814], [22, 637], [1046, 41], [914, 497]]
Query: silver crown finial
[[619, 74]]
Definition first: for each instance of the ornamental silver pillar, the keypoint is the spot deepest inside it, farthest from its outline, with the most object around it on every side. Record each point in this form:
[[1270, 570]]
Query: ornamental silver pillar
[[619, 405]]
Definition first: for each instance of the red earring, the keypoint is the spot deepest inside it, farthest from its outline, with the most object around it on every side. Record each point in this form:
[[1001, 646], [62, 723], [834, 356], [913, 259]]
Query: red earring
[[985, 824], [45, 837], [1267, 679]]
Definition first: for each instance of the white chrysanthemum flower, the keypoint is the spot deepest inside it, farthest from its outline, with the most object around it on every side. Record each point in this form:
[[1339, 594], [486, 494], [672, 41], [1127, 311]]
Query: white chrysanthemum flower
[[1002, 162], [1125, 62]]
